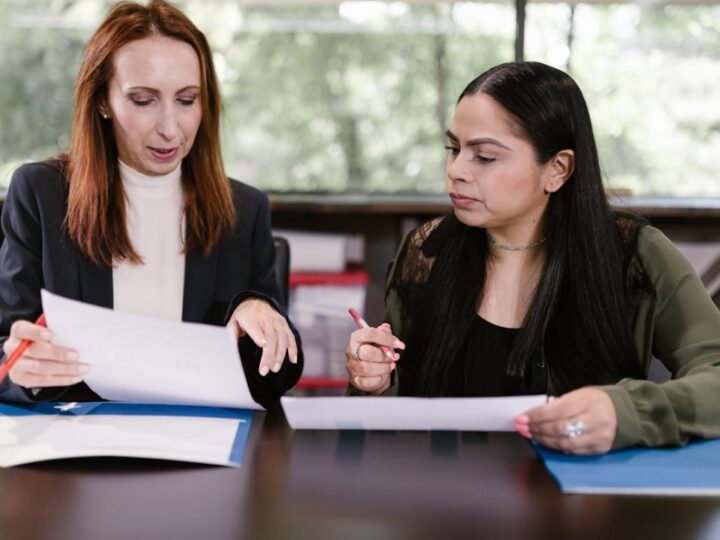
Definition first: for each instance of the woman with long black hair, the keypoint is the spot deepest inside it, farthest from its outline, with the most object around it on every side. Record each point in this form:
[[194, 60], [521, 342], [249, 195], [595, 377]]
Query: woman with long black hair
[[533, 284]]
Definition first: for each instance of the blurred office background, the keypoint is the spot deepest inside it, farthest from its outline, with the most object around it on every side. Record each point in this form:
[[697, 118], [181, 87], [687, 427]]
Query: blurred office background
[[329, 96], [339, 108]]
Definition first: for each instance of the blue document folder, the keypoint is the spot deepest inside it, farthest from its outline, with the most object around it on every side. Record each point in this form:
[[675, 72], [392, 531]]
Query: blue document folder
[[691, 470], [44, 431]]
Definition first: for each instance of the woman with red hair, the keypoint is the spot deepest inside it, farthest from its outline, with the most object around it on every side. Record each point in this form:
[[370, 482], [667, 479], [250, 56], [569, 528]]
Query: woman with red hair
[[139, 215]]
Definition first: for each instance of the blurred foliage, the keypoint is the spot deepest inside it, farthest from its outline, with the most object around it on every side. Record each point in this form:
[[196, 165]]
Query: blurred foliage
[[354, 111], [37, 72], [651, 77], [356, 97]]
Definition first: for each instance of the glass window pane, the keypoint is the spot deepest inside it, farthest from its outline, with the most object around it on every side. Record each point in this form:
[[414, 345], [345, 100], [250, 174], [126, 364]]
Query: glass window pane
[[40, 48], [349, 96], [651, 76]]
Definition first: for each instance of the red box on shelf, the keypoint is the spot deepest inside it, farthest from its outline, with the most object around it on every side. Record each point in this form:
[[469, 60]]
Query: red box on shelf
[[319, 303]]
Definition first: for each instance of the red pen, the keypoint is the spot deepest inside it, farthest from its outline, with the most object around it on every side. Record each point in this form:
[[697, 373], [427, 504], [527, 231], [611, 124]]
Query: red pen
[[18, 352], [362, 323]]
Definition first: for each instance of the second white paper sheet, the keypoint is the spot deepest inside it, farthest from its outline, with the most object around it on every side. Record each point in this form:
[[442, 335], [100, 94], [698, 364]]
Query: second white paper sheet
[[145, 360], [400, 413]]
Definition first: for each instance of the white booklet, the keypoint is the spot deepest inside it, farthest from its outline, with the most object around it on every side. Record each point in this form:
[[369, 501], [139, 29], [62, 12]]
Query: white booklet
[[46, 431], [141, 359], [401, 413]]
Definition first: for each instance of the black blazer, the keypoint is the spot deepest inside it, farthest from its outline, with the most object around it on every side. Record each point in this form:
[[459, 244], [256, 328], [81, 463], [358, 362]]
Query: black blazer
[[37, 253]]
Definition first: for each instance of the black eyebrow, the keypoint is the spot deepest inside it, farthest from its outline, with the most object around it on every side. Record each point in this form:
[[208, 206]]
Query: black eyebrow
[[476, 142]]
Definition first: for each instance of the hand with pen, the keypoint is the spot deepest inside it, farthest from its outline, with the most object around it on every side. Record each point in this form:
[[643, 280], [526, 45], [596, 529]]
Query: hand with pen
[[268, 329], [371, 356], [37, 362]]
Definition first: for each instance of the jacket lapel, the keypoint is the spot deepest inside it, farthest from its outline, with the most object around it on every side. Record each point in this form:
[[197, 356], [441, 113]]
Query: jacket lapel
[[199, 282], [96, 285]]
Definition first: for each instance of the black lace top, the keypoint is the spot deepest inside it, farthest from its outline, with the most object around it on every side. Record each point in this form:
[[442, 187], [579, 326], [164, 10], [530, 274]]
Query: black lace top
[[480, 366]]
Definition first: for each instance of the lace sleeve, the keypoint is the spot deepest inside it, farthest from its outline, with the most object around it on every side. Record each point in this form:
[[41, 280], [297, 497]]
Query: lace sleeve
[[629, 226], [413, 264]]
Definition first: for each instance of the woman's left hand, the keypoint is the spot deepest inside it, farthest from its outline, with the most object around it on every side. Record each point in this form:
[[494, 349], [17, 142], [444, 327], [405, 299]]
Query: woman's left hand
[[268, 329], [580, 422]]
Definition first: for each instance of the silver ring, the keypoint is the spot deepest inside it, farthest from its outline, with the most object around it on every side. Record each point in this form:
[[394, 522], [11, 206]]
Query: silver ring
[[574, 429]]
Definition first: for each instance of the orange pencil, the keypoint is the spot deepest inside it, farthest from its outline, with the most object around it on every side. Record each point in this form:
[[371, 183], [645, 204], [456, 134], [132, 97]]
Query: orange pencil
[[18, 352]]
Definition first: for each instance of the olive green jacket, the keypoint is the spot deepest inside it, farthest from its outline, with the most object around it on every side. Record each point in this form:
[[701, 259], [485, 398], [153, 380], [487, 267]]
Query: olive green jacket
[[680, 325]]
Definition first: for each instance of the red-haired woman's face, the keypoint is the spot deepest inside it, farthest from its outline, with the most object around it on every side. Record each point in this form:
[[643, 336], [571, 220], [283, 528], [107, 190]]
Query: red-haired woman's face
[[154, 103]]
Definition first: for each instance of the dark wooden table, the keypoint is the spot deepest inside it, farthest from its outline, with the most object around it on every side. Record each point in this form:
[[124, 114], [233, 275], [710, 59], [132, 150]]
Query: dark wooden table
[[335, 485]]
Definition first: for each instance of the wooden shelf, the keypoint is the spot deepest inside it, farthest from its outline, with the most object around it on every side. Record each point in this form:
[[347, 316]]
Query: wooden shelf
[[431, 205]]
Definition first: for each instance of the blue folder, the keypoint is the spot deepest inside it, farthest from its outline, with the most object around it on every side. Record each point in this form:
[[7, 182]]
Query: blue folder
[[139, 410], [693, 469]]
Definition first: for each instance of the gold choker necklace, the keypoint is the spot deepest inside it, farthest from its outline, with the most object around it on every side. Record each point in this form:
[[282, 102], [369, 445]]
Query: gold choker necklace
[[510, 247]]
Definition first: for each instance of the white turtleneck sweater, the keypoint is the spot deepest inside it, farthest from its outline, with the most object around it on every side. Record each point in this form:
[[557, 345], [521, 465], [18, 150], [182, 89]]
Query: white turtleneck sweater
[[156, 225]]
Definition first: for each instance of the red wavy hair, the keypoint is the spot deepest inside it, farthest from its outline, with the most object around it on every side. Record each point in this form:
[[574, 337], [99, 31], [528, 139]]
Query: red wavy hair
[[96, 203]]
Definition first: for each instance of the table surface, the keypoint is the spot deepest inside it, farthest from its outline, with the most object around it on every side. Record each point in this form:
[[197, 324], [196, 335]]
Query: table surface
[[336, 484]]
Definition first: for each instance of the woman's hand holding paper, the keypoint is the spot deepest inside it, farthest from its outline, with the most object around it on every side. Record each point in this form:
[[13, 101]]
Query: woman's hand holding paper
[[583, 421], [43, 364], [269, 330]]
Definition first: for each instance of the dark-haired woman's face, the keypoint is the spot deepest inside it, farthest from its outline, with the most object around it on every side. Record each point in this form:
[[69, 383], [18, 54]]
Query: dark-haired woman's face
[[493, 178], [154, 102]]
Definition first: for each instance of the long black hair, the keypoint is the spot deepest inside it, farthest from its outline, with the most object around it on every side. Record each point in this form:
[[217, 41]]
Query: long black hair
[[577, 325]]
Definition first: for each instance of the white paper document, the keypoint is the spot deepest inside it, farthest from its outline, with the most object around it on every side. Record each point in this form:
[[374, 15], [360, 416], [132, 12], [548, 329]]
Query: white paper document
[[141, 359], [46, 431], [400, 413]]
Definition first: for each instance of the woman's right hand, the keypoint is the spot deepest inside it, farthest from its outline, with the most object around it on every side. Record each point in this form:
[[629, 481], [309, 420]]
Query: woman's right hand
[[43, 364], [368, 366]]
